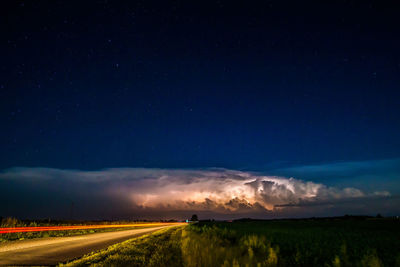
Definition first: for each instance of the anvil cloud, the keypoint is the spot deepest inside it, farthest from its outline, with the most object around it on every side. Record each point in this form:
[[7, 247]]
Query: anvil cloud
[[175, 193]]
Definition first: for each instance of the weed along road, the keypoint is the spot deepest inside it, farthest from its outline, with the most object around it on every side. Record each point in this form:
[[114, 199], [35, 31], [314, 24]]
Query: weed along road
[[52, 250]]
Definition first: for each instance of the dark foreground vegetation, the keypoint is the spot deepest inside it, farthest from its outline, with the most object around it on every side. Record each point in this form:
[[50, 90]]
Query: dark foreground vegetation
[[336, 242], [13, 222]]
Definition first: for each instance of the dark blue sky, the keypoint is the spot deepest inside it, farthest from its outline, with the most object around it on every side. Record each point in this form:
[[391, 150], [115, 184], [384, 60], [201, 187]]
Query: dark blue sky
[[181, 85]]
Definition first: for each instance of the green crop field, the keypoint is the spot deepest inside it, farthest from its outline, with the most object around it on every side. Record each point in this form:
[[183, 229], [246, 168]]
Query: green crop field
[[340, 242]]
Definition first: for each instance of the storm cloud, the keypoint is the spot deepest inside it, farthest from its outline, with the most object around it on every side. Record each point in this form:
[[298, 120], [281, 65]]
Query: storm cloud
[[176, 193]]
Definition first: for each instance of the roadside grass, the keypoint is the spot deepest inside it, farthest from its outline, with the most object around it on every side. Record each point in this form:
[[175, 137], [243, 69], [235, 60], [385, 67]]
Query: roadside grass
[[213, 246], [12, 222], [260, 243], [161, 248]]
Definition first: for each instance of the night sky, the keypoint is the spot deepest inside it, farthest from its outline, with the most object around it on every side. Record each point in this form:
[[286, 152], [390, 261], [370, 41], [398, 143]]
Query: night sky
[[303, 89]]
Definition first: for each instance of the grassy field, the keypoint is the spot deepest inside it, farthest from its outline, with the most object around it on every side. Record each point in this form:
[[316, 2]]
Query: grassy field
[[372, 242], [12, 222]]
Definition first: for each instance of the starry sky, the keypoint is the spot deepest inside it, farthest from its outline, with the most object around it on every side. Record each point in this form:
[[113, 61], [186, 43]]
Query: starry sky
[[303, 89]]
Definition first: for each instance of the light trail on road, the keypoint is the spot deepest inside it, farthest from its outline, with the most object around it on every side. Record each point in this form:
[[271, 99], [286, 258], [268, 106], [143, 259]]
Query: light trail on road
[[6, 230], [53, 250]]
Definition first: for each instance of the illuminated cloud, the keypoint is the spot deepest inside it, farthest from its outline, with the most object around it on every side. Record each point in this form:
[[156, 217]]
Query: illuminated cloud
[[139, 192]]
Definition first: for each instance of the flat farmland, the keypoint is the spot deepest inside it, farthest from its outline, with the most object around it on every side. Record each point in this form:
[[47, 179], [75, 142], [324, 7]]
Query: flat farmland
[[330, 242]]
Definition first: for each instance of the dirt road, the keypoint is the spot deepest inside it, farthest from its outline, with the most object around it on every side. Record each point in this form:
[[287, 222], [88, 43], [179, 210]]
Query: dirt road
[[52, 250]]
